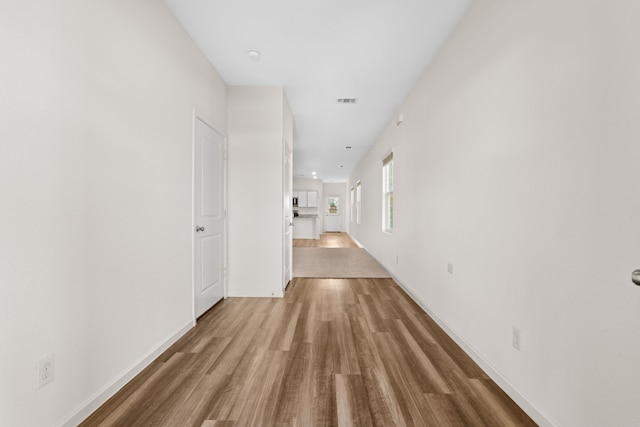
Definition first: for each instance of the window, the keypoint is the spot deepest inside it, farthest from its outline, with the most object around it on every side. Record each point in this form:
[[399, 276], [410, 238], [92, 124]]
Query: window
[[358, 201], [387, 193], [333, 207], [352, 204]]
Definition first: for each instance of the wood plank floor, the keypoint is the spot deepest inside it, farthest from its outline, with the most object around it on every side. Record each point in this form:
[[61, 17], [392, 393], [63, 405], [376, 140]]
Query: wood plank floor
[[347, 352], [327, 240]]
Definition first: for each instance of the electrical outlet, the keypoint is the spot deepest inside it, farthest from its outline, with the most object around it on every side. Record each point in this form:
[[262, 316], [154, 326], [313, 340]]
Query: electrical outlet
[[450, 268], [515, 338], [45, 370]]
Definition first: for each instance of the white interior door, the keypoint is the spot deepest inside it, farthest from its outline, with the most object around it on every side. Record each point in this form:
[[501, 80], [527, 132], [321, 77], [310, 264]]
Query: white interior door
[[209, 227], [333, 215], [288, 215]]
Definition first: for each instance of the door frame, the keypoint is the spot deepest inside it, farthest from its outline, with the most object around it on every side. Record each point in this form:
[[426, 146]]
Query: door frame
[[327, 214], [287, 220], [197, 115]]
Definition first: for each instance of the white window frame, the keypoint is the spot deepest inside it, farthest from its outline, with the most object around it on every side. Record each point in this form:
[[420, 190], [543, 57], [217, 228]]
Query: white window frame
[[358, 202], [352, 204], [387, 193]]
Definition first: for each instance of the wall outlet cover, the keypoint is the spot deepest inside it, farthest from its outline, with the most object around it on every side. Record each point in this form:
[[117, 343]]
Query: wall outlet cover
[[515, 338], [46, 370]]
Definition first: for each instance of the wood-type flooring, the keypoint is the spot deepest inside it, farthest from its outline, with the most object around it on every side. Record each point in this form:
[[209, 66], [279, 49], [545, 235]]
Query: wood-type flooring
[[326, 240], [333, 352]]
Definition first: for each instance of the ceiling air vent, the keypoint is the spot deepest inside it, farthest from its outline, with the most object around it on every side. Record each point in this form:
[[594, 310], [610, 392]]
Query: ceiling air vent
[[347, 100]]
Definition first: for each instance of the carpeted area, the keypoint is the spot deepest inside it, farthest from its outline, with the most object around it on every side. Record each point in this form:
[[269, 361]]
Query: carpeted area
[[335, 263]]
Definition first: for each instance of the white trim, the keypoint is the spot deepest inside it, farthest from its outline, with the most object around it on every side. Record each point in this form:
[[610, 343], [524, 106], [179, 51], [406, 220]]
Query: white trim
[[387, 157], [358, 201], [387, 205], [352, 204], [525, 404], [512, 391], [198, 115], [287, 153], [106, 392], [360, 245]]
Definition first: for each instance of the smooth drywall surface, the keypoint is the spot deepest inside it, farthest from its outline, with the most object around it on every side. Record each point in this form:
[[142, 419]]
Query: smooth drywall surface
[[287, 123], [95, 181], [517, 163], [256, 158]]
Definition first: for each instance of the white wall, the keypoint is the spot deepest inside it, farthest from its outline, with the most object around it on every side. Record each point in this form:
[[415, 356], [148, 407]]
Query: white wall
[[256, 123], [96, 120], [307, 184], [518, 163]]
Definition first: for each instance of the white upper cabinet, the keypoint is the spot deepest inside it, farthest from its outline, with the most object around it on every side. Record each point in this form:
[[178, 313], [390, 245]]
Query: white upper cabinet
[[306, 199], [302, 199], [312, 199]]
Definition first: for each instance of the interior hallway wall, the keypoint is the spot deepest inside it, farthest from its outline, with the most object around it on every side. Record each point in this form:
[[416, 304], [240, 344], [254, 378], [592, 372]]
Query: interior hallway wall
[[517, 163], [260, 121], [95, 179]]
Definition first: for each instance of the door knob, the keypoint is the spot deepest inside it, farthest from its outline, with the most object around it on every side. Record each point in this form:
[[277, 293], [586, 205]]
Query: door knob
[[635, 277], [199, 228]]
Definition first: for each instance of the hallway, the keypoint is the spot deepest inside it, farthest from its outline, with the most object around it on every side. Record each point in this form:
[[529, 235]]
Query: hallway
[[332, 352]]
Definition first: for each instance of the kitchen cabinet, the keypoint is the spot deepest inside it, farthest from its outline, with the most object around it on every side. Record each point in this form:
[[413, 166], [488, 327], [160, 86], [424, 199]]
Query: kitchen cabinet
[[312, 199], [302, 199], [305, 227], [306, 199]]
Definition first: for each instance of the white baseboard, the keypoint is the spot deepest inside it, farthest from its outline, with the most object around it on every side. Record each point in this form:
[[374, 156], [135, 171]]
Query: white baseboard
[[511, 390], [101, 396], [357, 243]]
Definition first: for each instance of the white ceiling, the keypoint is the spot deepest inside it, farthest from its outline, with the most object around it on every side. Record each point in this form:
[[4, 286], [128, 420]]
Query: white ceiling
[[321, 50]]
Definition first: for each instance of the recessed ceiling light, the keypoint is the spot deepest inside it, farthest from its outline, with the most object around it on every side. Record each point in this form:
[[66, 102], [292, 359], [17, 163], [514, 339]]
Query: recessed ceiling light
[[254, 54], [313, 173]]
